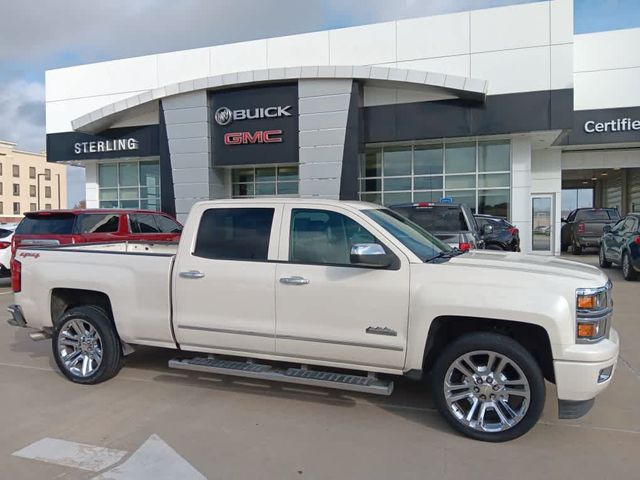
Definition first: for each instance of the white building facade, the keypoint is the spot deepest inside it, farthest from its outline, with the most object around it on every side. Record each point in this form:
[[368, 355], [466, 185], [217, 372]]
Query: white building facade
[[504, 109]]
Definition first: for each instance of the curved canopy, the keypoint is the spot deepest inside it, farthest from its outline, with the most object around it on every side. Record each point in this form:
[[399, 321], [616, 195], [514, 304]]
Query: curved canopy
[[462, 87]]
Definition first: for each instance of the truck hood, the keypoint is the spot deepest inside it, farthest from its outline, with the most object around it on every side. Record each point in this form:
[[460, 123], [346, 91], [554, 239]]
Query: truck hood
[[537, 265]]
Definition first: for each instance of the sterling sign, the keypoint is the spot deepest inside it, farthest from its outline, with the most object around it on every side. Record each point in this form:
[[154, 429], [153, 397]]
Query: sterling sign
[[101, 146], [617, 125]]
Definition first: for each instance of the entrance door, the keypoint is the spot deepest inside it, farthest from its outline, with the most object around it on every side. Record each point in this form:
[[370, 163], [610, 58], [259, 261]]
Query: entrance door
[[542, 223], [330, 310]]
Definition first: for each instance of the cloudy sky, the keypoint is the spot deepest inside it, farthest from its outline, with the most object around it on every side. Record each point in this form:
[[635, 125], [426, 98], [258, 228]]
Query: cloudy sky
[[37, 35]]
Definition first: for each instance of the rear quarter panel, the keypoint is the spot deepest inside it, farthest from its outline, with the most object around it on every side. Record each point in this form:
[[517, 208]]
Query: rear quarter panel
[[138, 287]]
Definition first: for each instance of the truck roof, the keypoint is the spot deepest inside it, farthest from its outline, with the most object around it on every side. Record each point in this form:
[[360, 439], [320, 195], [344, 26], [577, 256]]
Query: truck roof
[[288, 201]]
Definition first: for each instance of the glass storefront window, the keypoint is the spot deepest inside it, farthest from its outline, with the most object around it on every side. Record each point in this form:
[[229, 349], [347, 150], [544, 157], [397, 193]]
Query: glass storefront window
[[427, 160], [494, 202], [264, 181], [397, 161], [131, 184], [494, 156], [460, 181], [460, 157], [394, 184], [108, 175], [372, 165], [477, 173]]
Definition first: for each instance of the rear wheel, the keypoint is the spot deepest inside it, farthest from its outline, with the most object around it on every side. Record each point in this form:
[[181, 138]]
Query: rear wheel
[[488, 387], [493, 246], [602, 259], [86, 347], [627, 269]]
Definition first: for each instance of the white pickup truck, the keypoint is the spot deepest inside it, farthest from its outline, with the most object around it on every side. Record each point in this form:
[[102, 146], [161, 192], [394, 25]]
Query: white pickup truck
[[335, 294]]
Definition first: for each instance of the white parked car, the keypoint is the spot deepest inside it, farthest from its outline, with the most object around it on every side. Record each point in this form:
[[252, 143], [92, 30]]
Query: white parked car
[[339, 294], [6, 235]]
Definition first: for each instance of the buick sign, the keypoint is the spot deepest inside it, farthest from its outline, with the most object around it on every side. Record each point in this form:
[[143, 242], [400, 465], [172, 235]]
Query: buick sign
[[224, 115]]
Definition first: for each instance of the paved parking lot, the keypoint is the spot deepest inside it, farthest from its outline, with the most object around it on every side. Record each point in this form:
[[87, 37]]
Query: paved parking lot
[[236, 429]]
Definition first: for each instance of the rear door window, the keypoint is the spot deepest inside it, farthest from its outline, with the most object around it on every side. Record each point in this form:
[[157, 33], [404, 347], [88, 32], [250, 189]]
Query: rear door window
[[46, 225], [97, 223], [143, 223], [166, 225], [234, 234]]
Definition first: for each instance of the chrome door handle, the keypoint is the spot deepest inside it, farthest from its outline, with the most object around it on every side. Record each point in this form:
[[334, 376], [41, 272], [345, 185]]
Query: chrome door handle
[[192, 274], [294, 280]]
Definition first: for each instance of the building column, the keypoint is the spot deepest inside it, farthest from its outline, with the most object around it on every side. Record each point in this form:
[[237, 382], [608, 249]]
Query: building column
[[521, 189], [91, 185], [188, 126], [323, 106]]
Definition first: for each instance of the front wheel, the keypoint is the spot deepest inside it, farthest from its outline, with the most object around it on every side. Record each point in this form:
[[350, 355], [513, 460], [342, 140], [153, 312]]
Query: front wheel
[[627, 269], [86, 346], [602, 259], [488, 387]]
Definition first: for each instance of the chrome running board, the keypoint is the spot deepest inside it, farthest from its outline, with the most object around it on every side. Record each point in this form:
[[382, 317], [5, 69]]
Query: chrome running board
[[303, 376]]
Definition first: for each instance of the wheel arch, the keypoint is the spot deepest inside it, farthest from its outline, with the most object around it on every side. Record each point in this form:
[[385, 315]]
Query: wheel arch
[[64, 299], [445, 329]]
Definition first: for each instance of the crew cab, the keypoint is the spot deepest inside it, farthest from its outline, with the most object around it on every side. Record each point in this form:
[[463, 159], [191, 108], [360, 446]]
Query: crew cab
[[334, 294]]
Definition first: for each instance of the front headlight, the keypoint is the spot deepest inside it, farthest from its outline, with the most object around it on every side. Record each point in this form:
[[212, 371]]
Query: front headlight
[[593, 311]]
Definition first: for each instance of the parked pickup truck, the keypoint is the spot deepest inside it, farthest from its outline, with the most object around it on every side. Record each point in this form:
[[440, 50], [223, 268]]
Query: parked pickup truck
[[584, 227], [333, 294]]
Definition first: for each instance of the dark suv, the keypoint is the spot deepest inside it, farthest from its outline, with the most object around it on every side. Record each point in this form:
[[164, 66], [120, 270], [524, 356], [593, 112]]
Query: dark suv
[[621, 245], [501, 236], [452, 223], [584, 226]]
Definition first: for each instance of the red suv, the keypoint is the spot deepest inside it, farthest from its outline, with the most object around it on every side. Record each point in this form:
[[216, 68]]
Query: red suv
[[58, 227]]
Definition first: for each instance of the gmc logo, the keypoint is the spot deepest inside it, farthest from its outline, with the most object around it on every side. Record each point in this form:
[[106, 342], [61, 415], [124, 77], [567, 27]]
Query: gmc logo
[[246, 138]]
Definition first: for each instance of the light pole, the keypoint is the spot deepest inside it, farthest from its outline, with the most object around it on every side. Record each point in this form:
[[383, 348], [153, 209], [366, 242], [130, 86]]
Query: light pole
[[38, 187], [58, 175]]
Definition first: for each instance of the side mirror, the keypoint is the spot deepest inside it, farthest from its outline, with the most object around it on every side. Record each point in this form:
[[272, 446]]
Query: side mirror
[[369, 255], [563, 220], [487, 229], [606, 229]]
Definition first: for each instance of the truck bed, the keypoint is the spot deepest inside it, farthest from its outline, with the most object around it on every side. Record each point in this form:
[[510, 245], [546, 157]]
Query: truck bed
[[135, 276]]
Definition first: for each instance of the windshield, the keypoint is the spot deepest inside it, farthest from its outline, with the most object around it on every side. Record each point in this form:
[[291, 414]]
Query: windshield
[[415, 238], [436, 218]]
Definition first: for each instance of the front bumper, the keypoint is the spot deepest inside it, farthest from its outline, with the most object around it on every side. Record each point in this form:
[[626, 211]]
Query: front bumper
[[579, 382]]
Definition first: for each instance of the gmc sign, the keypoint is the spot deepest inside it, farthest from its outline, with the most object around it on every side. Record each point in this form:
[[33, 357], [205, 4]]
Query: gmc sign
[[245, 138]]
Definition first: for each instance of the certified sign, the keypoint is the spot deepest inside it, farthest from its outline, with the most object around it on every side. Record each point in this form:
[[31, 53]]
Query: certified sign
[[617, 125]]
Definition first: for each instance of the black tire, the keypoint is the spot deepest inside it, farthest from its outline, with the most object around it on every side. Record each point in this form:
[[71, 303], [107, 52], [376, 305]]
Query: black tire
[[602, 259], [627, 269], [493, 246], [575, 249], [501, 345], [564, 247], [111, 359]]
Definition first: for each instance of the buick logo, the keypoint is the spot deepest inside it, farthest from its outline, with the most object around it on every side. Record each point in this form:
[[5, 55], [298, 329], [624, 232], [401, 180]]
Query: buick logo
[[223, 116]]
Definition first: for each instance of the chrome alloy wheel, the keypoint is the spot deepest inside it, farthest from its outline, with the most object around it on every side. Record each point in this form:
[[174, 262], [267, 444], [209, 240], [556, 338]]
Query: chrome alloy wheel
[[486, 391], [80, 347]]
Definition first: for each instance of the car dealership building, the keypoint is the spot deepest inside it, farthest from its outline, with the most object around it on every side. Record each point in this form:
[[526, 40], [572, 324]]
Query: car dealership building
[[504, 109]]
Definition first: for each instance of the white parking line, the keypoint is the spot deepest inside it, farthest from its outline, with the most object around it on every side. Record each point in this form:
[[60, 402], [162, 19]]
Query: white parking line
[[71, 454], [6, 293]]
